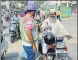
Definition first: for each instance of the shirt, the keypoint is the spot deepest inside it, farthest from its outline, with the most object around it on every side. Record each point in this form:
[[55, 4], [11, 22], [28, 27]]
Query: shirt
[[29, 24], [58, 13], [57, 28]]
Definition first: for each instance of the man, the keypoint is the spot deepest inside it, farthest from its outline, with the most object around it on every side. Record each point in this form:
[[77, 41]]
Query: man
[[58, 14], [15, 16], [57, 29], [29, 32]]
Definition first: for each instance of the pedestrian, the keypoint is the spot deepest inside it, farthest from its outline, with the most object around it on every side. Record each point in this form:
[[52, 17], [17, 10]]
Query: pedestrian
[[57, 29], [58, 14], [29, 32]]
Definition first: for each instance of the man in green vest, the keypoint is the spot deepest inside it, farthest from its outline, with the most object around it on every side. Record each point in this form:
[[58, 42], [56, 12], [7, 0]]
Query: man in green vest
[[29, 32]]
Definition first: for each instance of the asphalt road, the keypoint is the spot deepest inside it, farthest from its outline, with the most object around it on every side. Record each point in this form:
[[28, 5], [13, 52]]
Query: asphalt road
[[14, 50]]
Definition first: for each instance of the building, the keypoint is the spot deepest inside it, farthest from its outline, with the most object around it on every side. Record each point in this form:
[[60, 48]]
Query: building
[[5, 4]]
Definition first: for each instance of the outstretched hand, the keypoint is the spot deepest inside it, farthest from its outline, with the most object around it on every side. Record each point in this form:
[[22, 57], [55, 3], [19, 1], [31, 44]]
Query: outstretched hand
[[69, 36]]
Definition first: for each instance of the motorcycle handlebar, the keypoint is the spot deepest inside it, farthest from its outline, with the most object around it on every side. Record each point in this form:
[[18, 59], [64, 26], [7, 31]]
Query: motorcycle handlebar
[[57, 37]]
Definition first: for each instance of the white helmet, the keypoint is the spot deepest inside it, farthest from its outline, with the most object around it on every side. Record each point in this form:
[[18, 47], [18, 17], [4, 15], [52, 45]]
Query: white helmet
[[52, 10]]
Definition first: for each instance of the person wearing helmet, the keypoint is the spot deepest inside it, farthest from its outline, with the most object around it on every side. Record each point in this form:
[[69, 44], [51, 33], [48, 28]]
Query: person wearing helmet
[[15, 16], [57, 29], [29, 32]]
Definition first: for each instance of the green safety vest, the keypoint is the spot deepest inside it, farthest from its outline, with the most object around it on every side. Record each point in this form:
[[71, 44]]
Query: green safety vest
[[23, 32]]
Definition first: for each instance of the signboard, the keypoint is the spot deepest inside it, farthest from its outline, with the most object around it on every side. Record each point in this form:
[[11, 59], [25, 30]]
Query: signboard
[[65, 12]]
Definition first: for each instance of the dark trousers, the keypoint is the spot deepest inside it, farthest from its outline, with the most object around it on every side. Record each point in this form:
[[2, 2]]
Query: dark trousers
[[58, 17]]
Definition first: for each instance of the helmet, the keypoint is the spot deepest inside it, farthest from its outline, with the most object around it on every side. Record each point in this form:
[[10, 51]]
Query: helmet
[[49, 38], [52, 10], [31, 7]]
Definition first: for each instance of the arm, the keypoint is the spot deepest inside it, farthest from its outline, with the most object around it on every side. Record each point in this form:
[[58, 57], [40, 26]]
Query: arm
[[29, 26], [44, 25], [29, 34], [63, 31]]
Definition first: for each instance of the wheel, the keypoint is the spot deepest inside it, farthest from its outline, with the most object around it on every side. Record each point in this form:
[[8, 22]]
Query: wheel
[[2, 57], [12, 40], [40, 57], [19, 35], [50, 57]]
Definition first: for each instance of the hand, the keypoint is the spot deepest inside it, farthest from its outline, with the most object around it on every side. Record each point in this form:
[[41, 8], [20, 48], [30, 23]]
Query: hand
[[34, 48], [46, 28], [69, 36], [52, 46]]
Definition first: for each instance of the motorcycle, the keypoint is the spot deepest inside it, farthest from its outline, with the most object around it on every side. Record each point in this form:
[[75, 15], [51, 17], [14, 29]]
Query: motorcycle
[[13, 30], [59, 52], [4, 46]]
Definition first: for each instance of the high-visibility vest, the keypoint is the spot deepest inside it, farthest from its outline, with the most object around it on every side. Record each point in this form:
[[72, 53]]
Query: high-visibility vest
[[20, 26], [23, 32]]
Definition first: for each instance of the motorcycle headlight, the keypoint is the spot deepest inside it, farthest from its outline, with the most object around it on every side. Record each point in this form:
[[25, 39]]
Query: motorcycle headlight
[[60, 45], [12, 28]]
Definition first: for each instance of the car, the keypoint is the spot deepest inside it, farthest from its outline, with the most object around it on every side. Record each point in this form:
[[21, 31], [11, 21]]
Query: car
[[4, 47]]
